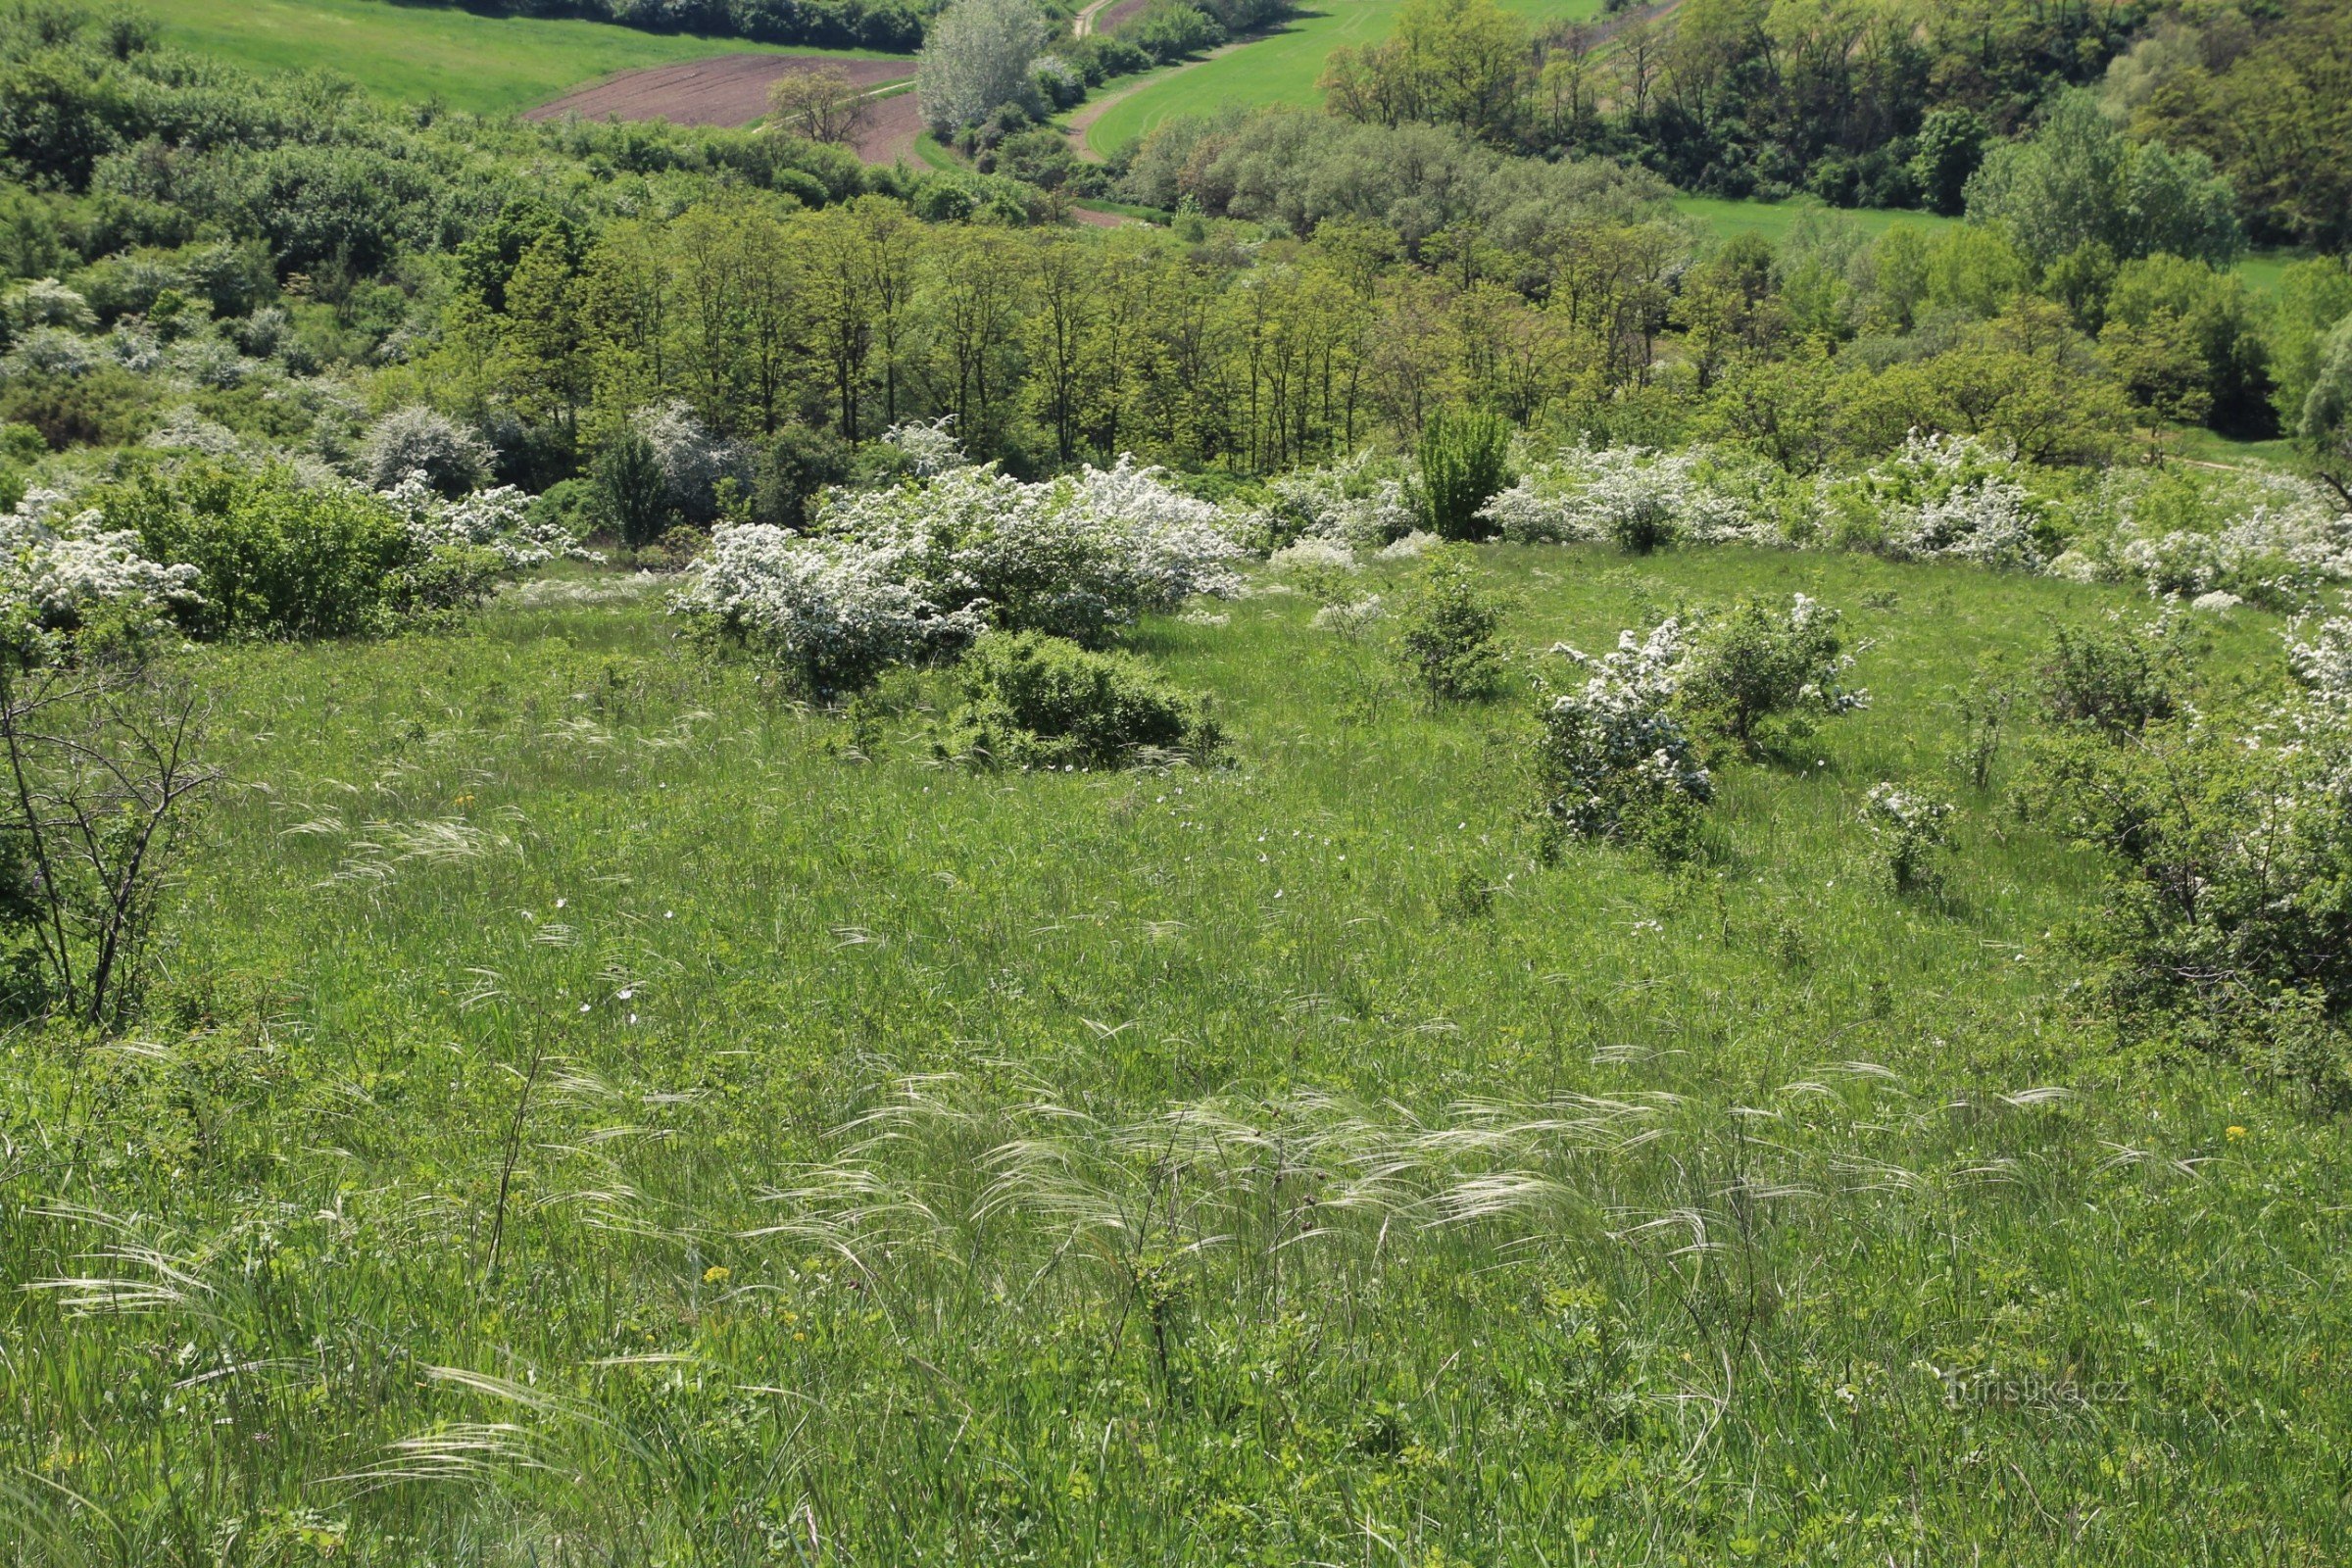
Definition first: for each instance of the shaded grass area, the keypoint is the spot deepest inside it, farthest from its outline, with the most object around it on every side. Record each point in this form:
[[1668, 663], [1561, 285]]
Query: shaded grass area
[[1280, 68], [412, 53], [1209, 1167]]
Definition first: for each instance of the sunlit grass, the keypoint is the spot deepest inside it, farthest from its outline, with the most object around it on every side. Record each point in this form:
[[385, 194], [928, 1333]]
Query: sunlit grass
[[903, 1165], [1282, 66]]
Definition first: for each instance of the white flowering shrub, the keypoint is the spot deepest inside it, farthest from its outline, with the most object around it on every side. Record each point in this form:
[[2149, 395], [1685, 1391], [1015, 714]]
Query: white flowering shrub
[[1631, 495], [927, 447], [1312, 555], [2321, 655], [1360, 503], [1351, 619], [419, 440], [918, 568], [62, 569], [835, 609], [2230, 850], [1908, 829], [1412, 547], [498, 521], [2270, 538], [49, 351], [184, 429], [694, 460], [1614, 760], [134, 347], [1942, 497], [209, 362]]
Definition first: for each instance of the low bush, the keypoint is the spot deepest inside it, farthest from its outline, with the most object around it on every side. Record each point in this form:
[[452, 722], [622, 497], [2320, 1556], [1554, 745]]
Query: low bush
[[2224, 924], [1759, 660], [1614, 760], [1909, 831], [1466, 459], [1033, 701], [1445, 625], [2119, 677], [274, 557], [910, 572]]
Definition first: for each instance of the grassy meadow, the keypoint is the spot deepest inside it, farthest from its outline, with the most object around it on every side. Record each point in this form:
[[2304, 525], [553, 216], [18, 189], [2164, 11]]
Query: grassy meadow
[[1280, 68], [597, 1111], [411, 53]]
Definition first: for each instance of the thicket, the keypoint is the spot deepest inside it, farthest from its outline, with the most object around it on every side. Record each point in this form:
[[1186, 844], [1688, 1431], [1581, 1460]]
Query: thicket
[[1033, 701]]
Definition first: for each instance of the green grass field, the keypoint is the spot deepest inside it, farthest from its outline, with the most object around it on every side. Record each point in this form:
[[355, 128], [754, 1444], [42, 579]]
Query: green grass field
[[1269, 1164], [1280, 68], [414, 52], [1773, 220]]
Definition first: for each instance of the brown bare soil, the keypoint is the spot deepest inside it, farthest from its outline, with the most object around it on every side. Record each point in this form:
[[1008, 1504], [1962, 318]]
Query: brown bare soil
[[723, 90], [1119, 15], [891, 126]]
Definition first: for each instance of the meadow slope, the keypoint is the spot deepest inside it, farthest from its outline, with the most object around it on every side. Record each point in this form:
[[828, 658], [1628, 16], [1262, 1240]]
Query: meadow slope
[[591, 1098]]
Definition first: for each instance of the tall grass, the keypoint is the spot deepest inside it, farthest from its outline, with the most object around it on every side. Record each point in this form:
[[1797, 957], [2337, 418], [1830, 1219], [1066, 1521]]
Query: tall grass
[[1277, 1163]]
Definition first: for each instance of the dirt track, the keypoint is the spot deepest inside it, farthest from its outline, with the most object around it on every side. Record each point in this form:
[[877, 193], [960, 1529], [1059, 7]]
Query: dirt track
[[723, 90]]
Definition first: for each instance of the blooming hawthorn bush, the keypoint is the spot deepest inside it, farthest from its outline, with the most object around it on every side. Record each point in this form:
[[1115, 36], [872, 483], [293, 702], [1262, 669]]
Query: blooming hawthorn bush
[[1614, 760], [1360, 503], [62, 570], [498, 521], [915, 571], [1631, 496], [835, 610], [1942, 496], [1908, 829], [2269, 538], [1758, 661]]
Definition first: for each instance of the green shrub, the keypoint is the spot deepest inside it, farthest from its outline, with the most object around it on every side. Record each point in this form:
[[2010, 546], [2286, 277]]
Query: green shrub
[[280, 558], [2119, 677], [1758, 661], [1033, 701], [632, 492], [2225, 922], [1465, 461], [1446, 624], [1909, 831]]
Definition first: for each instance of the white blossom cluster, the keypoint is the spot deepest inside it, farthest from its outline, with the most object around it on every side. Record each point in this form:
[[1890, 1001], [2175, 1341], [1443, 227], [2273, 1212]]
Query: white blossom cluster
[[1614, 747], [55, 567], [1892, 809], [1351, 503], [2321, 655], [2273, 537], [498, 519], [839, 609], [1812, 626], [1351, 619], [1948, 497], [929, 447], [899, 573], [1908, 828], [1313, 553], [1587, 495]]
